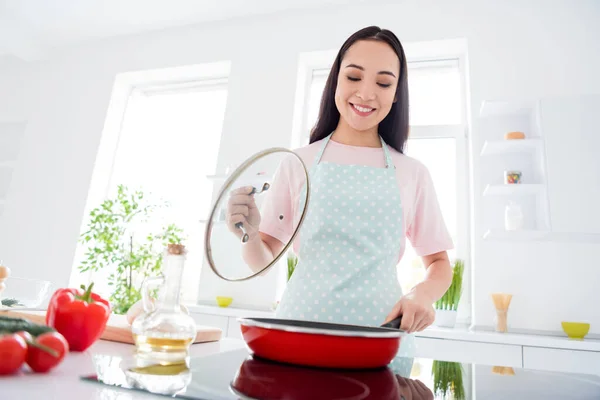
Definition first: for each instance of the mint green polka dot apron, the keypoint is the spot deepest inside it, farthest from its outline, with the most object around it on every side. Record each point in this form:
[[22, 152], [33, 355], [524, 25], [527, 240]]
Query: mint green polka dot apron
[[350, 241]]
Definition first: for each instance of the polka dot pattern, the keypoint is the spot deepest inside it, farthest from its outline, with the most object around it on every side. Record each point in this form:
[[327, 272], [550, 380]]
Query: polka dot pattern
[[351, 239]]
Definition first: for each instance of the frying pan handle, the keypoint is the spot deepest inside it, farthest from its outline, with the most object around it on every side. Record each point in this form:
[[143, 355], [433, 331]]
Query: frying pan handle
[[394, 324]]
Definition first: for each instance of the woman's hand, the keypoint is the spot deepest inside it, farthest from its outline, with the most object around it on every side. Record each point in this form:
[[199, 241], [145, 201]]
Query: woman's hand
[[416, 310], [416, 307], [242, 208]]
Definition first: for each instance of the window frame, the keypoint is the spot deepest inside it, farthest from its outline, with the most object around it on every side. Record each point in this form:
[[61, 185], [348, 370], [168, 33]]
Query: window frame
[[423, 54], [199, 77]]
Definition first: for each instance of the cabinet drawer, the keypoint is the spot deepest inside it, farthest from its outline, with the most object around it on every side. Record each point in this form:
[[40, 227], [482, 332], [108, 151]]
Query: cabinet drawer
[[215, 321], [470, 352], [560, 360]]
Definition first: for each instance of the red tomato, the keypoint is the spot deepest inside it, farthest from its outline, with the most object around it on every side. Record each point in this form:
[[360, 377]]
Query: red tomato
[[25, 335], [42, 361], [13, 351]]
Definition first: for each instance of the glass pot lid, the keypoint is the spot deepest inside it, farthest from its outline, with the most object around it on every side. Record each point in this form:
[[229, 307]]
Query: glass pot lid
[[265, 197]]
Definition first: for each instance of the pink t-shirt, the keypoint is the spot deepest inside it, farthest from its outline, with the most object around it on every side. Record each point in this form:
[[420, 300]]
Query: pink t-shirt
[[423, 222]]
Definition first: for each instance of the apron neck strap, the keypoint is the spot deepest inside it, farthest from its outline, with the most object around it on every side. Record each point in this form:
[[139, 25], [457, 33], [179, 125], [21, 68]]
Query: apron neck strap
[[388, 156], [322, 149], [386, 151]]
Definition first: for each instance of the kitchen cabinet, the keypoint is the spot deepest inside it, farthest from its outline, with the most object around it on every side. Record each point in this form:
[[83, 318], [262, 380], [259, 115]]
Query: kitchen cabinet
[[504, 355], [561, 360]]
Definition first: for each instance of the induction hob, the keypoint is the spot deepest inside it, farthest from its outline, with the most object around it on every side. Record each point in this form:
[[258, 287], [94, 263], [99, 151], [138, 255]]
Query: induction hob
[[237, 375]]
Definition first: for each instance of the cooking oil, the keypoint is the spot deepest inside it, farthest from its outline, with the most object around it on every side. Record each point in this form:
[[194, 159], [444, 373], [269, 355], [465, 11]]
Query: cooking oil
[[161, 344], [165, 328]]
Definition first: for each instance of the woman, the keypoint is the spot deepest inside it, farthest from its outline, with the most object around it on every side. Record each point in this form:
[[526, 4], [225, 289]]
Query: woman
[[367, 197]]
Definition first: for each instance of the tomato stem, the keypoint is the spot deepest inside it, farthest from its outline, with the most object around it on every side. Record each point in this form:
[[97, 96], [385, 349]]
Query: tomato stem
[[47, 349]]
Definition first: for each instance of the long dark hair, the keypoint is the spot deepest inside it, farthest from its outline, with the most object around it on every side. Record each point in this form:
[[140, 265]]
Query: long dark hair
[[394, 127]]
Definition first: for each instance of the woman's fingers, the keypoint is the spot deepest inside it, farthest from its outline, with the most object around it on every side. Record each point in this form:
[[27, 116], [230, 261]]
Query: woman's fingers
[[234, 219], [239, 209], [243, 190]]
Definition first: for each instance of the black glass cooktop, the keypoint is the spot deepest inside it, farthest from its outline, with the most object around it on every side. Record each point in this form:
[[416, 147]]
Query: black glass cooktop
[[237, 375]]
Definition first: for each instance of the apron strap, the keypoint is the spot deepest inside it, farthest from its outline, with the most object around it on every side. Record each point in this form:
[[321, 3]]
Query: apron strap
[[322, 150], [388, 156]]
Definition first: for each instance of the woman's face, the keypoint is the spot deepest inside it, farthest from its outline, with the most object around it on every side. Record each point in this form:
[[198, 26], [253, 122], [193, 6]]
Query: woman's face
[[366, 84]]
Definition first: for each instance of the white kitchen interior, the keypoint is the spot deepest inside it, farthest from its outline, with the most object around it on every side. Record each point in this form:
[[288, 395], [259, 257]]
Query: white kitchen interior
[[84, 106]]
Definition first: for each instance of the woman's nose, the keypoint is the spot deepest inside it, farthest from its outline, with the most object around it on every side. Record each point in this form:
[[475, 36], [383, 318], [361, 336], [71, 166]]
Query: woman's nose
[[366, 91]]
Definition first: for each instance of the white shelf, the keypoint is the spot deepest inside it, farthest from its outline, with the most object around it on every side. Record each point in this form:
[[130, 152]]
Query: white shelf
[[540, 236], [517, 189], [495, 147], [505, 108]]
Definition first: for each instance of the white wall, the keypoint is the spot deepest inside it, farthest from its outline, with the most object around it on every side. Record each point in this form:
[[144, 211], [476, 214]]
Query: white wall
[[516, 49]]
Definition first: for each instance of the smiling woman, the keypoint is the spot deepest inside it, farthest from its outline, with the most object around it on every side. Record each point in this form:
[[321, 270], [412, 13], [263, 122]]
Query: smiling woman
[[367, 199]]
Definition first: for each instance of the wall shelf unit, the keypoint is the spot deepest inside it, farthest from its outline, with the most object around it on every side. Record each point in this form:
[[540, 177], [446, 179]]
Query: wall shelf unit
[[525, 155]]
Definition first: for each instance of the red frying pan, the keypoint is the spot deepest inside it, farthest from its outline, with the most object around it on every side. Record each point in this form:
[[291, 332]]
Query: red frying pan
[[319, 344]]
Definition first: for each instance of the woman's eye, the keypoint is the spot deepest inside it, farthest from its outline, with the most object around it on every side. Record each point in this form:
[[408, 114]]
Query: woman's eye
[[353, 79], [385, 85]]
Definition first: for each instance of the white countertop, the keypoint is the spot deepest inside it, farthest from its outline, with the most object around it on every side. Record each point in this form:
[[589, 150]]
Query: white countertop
[[64, 383], [520, 339]]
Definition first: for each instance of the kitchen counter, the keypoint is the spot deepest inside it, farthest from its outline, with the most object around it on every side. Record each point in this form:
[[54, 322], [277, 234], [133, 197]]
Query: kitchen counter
[[64, 383], [214, 365]]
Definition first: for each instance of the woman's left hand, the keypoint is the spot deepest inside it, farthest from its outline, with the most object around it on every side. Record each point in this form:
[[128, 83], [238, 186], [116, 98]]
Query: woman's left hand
[[416, 310]]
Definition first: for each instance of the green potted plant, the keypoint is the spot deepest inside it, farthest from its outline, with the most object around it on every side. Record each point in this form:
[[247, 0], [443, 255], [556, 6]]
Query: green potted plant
[[446, 308], [120, 237], [292, 261], [448, 380]]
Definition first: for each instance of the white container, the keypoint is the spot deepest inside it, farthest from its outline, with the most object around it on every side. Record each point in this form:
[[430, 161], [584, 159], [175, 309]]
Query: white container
[[513, 217], [445, 318]]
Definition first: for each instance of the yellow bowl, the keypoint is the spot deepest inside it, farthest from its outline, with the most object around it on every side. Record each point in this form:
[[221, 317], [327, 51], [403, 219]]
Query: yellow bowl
[[575, 330], [224, 301]]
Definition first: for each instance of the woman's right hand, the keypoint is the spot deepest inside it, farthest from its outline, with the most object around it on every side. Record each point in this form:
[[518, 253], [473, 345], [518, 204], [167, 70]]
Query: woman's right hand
[[242, 208]]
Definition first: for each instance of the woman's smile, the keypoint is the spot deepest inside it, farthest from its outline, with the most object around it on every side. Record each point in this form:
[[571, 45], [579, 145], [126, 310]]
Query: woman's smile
[[362, 110]]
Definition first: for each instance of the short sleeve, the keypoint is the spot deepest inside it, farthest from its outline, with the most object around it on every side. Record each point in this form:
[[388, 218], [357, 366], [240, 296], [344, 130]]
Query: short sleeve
[[279, 204], [427, 231]]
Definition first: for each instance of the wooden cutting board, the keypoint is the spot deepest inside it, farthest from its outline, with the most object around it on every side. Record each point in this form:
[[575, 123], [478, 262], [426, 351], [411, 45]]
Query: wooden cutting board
[[117, 329]]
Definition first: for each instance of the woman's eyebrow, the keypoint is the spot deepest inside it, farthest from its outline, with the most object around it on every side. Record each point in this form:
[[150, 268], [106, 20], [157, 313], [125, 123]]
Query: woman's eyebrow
[[362, 69]]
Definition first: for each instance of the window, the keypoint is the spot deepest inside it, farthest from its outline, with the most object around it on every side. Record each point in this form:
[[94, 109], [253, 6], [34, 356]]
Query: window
[[167, 143], [437, 112]]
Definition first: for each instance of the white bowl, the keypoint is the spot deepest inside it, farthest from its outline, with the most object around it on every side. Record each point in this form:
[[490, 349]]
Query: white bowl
[[31, 293]]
